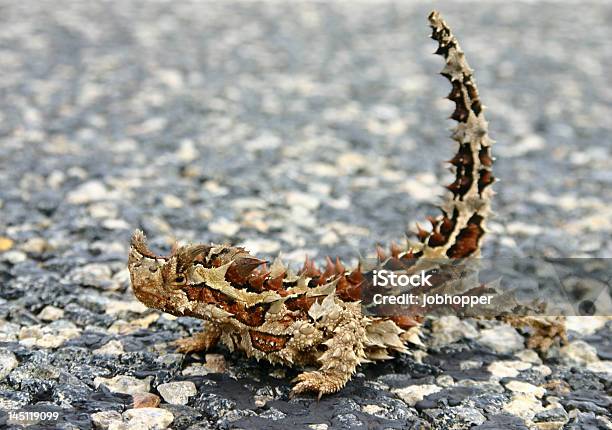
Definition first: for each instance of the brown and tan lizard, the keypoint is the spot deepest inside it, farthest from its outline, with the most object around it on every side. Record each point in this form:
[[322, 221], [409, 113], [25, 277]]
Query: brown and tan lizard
[[314, 317]]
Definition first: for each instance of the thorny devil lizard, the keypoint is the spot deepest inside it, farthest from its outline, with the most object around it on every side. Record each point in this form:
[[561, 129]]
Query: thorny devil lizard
[[315, 317]]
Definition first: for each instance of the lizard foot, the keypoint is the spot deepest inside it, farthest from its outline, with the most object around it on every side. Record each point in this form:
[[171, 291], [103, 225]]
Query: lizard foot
[[198, 342]]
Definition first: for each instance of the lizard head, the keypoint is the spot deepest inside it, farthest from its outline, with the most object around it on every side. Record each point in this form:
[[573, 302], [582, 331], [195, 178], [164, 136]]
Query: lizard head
[[157, 281]]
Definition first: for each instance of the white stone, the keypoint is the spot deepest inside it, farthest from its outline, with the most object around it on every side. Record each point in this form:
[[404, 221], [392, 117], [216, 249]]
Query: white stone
[[449, 329], [150, 125], [263, 246], [114, 307], [125, 384], [525, 388], [507, 369], [51, 341], [471, 416], [8, 362], [103, 210], [28, 332], [503, 339], [177, 393], [224, 227], [525, 406], [14, 256], [91, 191], [56, 178], [415, 393], [102, 420], [550, 425], [418, 355], [543, 369], [173, 78], [50, 336], [518, 228], [115, 224], [112, 347], [351, 161], [371, 409], [64, 328], [264, 141], [586, 325], [329, 238], [51, 313], [529, 143], [260, 401], [9, 331], [92, 274], [149, 418], [34, 245], [195, 369], [578, 353], [124, 327], [529, 356], [445, 381], [187, 151], [308, 201], [172, 202], [419, 188], [122, 278], [604, 366]]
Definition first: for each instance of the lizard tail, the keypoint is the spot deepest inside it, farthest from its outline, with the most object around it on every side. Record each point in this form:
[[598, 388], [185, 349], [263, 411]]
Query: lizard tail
[[459, 230]]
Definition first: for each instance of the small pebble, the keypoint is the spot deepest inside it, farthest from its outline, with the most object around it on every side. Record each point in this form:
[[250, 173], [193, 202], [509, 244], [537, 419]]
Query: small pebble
[[449, 329], [145, 400], [578, 353], [172, 202], [507, 369], [102, 420], [503, 339], [529, 356], [35, 245], [51, 313], [525, 388], [14, 256], [524, 406], [88, 192], [586, 325], [5, 244], [8, 362], [445, 381], [415, 393], [224, 227], [600, 366], [125, 384], [148, 418], [177, 393], [112, 347]]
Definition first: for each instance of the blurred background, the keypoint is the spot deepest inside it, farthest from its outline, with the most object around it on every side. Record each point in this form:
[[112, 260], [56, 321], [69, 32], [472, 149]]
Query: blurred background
[[315, 128], [306, 128]]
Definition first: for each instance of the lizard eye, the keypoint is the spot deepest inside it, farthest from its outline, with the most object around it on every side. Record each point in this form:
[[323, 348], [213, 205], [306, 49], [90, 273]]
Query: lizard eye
[[179, 279]]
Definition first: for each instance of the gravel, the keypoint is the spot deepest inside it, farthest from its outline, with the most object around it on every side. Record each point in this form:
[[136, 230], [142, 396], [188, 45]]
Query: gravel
[[306, 128]]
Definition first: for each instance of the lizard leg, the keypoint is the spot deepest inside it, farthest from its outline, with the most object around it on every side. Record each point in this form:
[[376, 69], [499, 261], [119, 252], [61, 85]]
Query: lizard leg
[[345, 351], [201, 341]]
